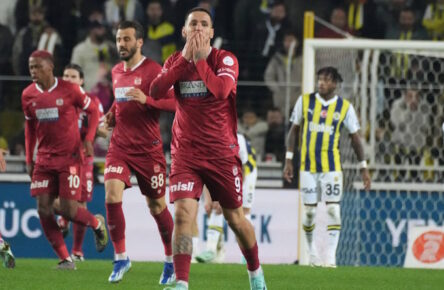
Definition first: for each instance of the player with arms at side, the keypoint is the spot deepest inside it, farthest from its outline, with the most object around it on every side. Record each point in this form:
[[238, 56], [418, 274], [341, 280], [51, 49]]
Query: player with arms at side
[[5, 249], [50, 106], [136, 146], [204, 146], [322, 115], [73, 73]]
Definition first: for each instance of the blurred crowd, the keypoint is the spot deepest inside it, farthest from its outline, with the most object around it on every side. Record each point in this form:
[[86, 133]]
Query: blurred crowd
[[259, 32]]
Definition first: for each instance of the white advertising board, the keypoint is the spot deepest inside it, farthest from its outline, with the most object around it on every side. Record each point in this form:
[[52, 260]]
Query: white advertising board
[[274, 217]]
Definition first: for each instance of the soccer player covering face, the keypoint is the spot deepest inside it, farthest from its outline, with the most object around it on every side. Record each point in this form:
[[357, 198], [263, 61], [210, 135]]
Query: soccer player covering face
[[322, 115], [73, 73], [204, 147], [51, 111], [136, 146]]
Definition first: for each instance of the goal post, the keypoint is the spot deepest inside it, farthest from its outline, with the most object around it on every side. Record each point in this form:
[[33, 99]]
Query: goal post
[[408, 183]]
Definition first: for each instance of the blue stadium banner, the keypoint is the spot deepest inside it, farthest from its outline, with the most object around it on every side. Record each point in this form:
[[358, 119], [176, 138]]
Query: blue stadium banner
[[20, 225]]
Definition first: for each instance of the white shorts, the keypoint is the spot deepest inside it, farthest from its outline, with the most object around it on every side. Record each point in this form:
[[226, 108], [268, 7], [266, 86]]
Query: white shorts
[[248, 189], [323, 186]]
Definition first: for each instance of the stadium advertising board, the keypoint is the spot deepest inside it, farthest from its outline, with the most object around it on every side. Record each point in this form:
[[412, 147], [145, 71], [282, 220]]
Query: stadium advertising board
[[274, 216], [20, 225], [425, 248]]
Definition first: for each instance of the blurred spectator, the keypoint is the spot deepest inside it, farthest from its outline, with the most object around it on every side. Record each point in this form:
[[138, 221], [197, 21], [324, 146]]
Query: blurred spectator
[[23, 9], [95, 54], [119, 10], [5, 57], [103, 88], [406, 27], [255, 129], [7, 15], [387, 13], [160, 42], [275, 138], [361, 19], [276, 72], [17, 143], [410, 120], [265, 39], [37, 35], [338, 18], [433, 19]]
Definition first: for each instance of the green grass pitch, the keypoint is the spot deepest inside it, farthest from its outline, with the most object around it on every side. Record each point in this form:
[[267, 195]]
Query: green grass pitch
[[93, 274]]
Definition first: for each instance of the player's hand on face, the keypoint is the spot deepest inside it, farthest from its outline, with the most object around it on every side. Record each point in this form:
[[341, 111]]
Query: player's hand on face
[[2, 160], [30, 169], [288, 171], [110, 120], [89, 150], [136, 95], [366, 178], [187, 51], [201, 50]]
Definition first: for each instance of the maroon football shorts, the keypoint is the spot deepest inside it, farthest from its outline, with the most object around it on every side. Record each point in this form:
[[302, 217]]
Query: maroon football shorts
[[87, 179], [150, 171], [223, 178], [63, 180]]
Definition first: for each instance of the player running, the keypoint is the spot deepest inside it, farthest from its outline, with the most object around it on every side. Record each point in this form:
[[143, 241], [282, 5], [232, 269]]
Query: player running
[[204, 147], [50, 106], [73, 73], [322, 114], [136, 146]]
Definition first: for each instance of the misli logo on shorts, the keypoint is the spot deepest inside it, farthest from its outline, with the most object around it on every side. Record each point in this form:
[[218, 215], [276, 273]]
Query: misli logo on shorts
[[40, 184], [182, 186], [114, 169]]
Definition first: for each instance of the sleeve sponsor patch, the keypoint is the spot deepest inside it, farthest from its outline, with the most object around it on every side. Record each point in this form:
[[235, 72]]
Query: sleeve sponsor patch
[[228, 60]]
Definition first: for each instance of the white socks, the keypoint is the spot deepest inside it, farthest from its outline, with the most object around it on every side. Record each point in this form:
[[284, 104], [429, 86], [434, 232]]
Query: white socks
[[214, 231], [121, 256], [333, 229]]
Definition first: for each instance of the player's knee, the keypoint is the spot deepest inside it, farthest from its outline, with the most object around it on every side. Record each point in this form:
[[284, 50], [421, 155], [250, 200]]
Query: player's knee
[[182, 218], [113, 195], [156, 206], [68, 209], [44, 210], [310, 212], [334, 212]]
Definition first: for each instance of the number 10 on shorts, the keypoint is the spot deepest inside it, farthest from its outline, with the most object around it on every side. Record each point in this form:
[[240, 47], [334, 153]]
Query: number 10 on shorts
[[74, 181]]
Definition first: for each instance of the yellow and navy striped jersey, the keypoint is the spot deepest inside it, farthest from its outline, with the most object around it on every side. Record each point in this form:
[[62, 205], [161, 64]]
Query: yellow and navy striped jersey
[[322, 122], [247, 154]]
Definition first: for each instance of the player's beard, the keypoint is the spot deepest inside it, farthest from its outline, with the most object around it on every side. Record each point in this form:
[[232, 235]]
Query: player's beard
[[130, 54]]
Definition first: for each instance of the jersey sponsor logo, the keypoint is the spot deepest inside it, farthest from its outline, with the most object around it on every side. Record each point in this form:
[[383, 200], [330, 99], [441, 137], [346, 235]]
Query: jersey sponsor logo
[[228, 60], [40, 184], [310, 111], [313, 127], [47, 115], [324, 114], [138, 81], [193, 89], [114, 169], [59, 102], [336, 116], [182, 186], [429, 247], [120, 94]]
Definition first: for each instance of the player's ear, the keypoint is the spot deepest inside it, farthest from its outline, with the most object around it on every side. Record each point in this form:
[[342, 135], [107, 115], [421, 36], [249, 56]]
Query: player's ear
[[139, 42], [184, 34], [211, 33]]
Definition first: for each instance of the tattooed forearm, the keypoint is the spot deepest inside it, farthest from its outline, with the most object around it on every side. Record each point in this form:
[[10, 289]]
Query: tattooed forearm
[[183, 244]]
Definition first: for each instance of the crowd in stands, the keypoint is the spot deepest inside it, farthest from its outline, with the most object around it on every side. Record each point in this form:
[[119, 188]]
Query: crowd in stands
[[259, 32]]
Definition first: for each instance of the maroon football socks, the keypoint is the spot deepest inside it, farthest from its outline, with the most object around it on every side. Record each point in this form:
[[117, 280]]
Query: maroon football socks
[[116, 226], [252, 257], [165, 225]]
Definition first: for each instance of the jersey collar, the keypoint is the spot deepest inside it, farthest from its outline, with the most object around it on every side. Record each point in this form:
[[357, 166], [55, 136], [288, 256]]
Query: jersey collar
[[324, 102], [134, 67], [50, 89]]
